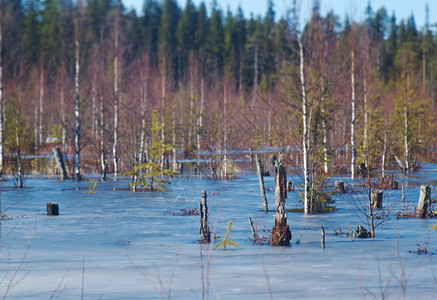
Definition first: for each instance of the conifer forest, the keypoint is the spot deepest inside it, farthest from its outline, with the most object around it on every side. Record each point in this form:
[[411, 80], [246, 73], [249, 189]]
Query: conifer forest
[[109, 86]]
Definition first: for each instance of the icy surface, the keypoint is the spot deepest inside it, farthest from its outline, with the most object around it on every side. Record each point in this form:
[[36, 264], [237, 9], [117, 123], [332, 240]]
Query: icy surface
[[117, 244]]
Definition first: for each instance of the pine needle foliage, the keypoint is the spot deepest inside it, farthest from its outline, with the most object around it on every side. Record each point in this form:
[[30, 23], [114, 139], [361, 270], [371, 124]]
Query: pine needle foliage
[[226, 240], [149, 175]]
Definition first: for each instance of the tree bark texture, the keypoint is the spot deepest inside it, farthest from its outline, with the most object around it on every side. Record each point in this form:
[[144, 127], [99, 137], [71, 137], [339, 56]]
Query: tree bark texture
[[259, 169], [305, 136], [59, 162], [77, 102], [204, 228], [424, 201], [280, 235]]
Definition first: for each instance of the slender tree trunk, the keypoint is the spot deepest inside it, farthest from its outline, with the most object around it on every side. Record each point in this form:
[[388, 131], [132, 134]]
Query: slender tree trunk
[[20, 182], [366, 113], [94, 109], [175, 165], [384, 153], [2, 146], [353, 151], [200, 117], [40, 106], [305, 142], [143, 120], [77, 103], [225, 133], [103, 163], [406, 127], [63, 134], [116, 99]]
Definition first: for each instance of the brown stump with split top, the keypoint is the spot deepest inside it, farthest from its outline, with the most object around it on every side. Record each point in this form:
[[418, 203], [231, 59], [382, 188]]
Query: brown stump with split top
[[52, 209], [281, 234]]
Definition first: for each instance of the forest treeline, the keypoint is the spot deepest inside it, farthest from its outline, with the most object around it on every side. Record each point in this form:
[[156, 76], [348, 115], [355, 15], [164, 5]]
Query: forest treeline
[[114, 85]]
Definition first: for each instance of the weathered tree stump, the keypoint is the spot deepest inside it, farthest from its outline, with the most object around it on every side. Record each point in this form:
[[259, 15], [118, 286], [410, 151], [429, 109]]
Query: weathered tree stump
[[377, 199], [259, 169], [60, 167], [52, 209], [280, 235], [204, 228], [252, 228], [290, 186], [403, 194], [339, 187], [361, 232], [323, 237], [424, 201]]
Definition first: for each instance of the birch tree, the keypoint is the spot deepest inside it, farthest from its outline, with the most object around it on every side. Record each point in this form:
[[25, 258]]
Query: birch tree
[[2, 146], [77, 138], [116, 95]]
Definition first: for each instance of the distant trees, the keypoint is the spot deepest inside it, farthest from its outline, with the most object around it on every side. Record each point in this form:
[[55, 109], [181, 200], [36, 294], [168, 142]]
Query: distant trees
[[217, 80]]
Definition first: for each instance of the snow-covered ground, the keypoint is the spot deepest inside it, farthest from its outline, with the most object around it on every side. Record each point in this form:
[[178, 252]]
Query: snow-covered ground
[[121, 245]]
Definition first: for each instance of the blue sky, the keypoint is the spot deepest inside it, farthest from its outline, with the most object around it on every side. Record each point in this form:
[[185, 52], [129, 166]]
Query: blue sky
[[352, 8]]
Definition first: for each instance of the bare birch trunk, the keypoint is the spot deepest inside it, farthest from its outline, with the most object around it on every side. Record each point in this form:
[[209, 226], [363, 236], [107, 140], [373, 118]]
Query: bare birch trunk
[[200, 118], [94, 109], [143, 121], [163, 95], [63, 134], [305, 142], [103, 163], [365, 133], [407, 151], [384, 153], [40, 106], [353, 151], [20, 182], [225, 134], [175, 165], [116, 100], [77, 102], [2, 146]]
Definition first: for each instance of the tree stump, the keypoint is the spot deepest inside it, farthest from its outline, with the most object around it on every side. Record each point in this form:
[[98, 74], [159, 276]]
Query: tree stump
[[259, 169], [323, 236], [339, 187], [204, 228], [52, 209], [290, 186], [424, 201], [280, 235], [377, 199], [60, 167]]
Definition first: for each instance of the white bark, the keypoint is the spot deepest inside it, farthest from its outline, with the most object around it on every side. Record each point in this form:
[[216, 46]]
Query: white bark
[[143, 119], [63, 134], [365, 133], [40, 106], [305, 137], [353, 151], [116, 100], [77, 103], [103, 164], [325, 141], [225, 134], [407, 151], [2, 147], [384, 153]]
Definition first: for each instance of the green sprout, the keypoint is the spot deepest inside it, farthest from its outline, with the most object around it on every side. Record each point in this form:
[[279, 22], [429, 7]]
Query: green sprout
[[91, 187], [226, 241]]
